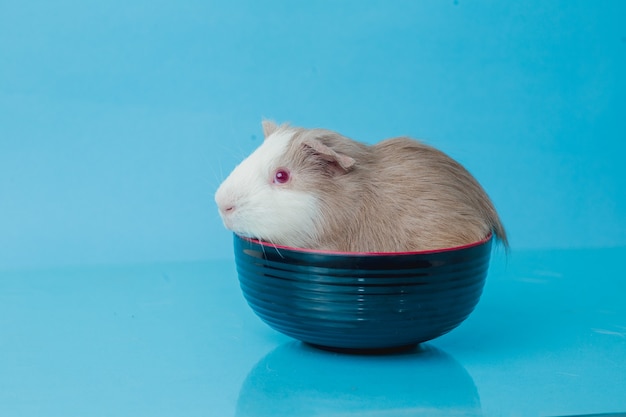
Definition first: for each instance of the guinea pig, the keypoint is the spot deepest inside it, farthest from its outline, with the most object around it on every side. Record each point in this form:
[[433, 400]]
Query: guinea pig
[[316, 189]]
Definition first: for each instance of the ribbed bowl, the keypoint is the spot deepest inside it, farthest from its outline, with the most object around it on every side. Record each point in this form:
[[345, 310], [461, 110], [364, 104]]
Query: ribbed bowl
[[361, 301]]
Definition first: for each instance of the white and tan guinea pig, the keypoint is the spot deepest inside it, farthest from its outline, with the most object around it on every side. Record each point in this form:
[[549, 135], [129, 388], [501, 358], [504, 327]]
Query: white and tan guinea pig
[[316, 189]]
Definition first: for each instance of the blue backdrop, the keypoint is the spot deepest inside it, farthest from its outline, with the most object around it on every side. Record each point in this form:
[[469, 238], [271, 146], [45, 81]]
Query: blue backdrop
[[118, 119]]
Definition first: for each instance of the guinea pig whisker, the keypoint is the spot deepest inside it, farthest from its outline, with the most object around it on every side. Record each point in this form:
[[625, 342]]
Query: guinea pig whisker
[[276, 248], [236, 156], [263, 247], [218, 173]]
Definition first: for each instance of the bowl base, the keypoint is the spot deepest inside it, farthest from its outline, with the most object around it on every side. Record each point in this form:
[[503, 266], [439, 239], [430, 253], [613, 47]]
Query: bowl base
[[394, 350]]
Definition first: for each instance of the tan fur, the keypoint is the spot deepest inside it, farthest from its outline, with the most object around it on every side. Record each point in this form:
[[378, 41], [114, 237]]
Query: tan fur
[[397, 195]]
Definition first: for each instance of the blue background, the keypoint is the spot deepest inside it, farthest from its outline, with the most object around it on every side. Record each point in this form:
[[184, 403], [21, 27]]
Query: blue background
[[118, 119]]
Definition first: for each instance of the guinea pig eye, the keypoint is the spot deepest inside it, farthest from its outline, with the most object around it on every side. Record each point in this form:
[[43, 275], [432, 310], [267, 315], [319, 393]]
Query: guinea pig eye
[[281, 176]]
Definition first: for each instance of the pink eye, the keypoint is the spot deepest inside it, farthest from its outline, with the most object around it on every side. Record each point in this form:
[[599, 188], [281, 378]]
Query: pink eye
[[281, 176]]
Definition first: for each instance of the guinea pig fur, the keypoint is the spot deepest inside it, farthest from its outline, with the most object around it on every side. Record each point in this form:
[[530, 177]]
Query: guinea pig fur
[[316, 189]]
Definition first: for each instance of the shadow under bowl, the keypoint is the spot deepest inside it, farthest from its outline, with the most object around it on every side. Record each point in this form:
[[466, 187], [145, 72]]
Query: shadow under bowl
[[361, 302]]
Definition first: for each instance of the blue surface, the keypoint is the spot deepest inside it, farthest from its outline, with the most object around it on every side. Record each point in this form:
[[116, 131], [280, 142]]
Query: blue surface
[[118, 120], [548, 338]]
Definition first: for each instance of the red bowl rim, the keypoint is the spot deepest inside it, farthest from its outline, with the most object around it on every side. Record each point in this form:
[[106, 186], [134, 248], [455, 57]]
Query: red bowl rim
[[330, 252]]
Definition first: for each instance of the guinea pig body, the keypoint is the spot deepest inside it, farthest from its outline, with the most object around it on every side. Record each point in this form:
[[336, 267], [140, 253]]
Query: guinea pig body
[[315, 189]]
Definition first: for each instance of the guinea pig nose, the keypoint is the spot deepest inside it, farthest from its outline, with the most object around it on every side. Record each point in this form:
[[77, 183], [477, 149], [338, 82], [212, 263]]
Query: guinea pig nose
[[227, 209]]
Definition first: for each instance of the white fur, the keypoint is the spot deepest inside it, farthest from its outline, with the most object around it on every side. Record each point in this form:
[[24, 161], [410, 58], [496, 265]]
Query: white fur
[[262, 209]]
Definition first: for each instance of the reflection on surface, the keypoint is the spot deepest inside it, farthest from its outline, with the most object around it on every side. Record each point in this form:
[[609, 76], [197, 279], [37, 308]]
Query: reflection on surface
[[298, 380]]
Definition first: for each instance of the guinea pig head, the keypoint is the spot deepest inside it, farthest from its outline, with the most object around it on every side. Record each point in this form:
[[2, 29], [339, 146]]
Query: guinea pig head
[[274, 194]]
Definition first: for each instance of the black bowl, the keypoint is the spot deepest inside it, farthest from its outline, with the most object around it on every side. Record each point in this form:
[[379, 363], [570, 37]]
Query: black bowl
[[361, 301]]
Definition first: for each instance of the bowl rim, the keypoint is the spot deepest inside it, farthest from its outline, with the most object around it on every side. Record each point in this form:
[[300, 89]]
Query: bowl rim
[[330, 252]]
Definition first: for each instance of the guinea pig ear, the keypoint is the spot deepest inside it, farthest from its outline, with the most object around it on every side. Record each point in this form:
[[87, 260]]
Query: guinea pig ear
[[327, 153], [269, 127]]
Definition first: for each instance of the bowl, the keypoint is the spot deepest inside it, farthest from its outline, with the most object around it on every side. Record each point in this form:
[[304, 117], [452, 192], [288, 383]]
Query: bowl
[[361, 302]]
